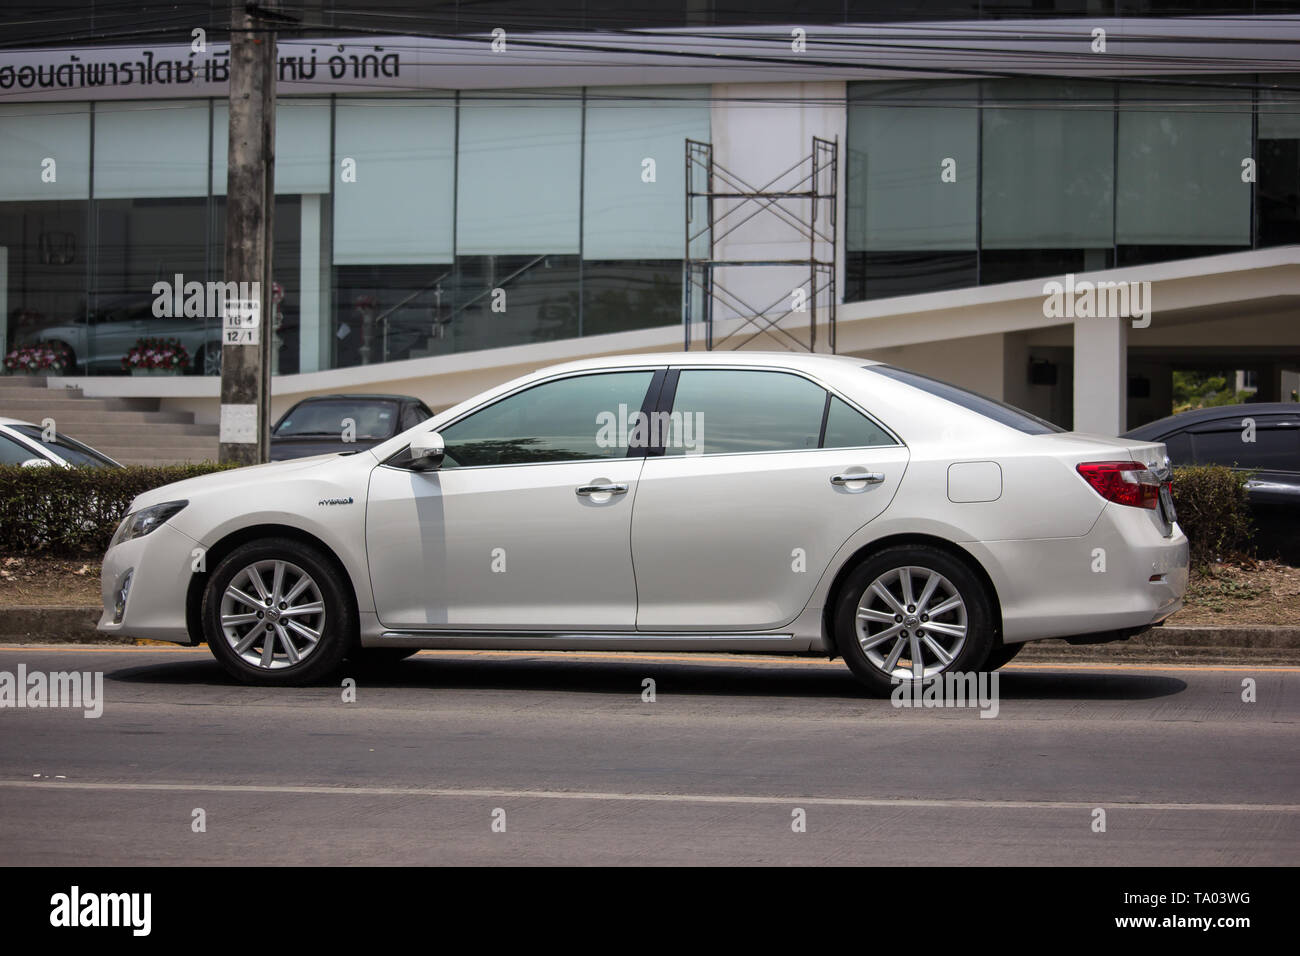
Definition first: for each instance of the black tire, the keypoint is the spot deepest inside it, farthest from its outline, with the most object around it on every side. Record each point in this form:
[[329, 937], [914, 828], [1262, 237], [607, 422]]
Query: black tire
[[380, 658], [956, 577], [1002, 654], [337, 631]]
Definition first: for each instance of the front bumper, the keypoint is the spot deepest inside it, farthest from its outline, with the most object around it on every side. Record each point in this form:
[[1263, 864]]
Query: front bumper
[[160, 565]]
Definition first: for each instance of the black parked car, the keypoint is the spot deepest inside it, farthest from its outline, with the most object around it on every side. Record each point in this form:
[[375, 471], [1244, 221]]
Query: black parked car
[[320, 424], [1217, 436]]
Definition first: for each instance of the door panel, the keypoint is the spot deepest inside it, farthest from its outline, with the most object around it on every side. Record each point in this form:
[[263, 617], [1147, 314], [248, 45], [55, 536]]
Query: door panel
[[511, 547], [733, 528], [714, 538], [527, 525]]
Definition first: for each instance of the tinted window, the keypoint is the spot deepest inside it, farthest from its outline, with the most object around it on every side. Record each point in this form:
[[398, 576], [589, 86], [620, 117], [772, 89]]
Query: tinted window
[[848, 428], [1179, 447], [1003, 414], [374, 420], [70, 450], [12, 453], [572, 419], [723, 411], [412, 416], [1276, 447]]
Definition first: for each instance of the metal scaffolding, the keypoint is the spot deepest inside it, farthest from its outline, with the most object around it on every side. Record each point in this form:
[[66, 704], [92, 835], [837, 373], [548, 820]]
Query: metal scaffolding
[[718, 203]]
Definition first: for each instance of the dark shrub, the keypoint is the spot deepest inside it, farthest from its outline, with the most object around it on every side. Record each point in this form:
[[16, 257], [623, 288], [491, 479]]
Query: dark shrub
[[1213, 511]]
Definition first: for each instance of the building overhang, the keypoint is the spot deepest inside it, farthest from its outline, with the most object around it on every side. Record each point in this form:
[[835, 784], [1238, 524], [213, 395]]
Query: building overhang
[[1067, 47]]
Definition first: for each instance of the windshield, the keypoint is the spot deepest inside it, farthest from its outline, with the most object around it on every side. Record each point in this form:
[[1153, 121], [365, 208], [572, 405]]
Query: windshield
[[1001, 413], [374, 420], [69, 449]]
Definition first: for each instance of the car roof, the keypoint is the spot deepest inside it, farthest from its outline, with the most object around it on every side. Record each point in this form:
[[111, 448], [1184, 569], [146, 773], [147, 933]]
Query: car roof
[[1196, 416], [367, 396], [808, 361], [14, 421]]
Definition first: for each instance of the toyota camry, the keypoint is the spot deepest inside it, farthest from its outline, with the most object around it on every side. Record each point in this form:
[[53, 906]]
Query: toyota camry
[[752, 502]]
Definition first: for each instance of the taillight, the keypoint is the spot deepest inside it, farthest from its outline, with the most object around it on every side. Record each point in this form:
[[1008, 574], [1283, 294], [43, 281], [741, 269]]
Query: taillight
[[1123, 482]]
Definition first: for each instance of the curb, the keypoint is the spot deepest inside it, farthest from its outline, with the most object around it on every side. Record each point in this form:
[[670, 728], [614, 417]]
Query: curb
[[76, 625], [54, 625]]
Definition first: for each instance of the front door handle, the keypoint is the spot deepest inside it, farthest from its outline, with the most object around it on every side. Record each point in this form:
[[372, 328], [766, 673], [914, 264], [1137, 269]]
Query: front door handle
[[587, 491], [867, 477]]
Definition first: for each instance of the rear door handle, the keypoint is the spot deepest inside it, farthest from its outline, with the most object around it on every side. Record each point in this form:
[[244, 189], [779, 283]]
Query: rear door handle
[[867, 477], [587, 491]]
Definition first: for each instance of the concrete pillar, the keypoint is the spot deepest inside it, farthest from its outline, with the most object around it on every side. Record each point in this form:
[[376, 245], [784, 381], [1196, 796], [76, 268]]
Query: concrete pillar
[[1101, 375]]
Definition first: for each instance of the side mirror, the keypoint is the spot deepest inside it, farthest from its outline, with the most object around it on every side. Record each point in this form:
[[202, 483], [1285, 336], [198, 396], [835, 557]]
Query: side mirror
[[427, 452]]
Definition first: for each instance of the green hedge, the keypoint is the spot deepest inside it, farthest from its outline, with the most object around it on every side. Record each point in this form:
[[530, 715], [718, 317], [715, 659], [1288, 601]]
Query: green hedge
[[1214, 512], [73, 512]]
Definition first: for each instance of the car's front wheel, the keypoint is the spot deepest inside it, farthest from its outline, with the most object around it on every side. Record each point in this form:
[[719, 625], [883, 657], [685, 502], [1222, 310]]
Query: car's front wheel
[[278, 611], [912, 612]]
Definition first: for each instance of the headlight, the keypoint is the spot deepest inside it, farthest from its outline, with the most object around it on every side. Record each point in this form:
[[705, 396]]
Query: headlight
[[140, 523]]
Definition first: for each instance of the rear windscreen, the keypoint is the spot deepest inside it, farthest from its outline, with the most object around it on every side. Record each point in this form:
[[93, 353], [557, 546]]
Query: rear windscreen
[[1003, 414]]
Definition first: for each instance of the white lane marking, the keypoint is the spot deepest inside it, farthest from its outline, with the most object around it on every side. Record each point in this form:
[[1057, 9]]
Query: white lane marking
[[652, 797]]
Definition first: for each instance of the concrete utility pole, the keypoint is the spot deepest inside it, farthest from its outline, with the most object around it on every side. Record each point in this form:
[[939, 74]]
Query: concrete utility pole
[[247, 326]]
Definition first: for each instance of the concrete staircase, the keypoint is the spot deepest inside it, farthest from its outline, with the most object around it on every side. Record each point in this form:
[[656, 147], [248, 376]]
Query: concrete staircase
[[130, 430]]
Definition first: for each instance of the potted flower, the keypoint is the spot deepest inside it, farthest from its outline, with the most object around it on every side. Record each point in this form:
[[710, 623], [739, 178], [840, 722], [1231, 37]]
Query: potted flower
[[39, 358], [156, 357]]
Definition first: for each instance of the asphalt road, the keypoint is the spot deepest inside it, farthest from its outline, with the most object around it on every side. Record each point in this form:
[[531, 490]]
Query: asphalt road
[[583, 770]]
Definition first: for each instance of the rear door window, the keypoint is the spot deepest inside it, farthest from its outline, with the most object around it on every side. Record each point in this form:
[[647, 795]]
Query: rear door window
[[848, 428], [1276, 445], [736, 411]]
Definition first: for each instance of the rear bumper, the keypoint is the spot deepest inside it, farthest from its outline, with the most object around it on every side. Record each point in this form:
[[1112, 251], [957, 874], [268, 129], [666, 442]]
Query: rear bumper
[[1124, 575]]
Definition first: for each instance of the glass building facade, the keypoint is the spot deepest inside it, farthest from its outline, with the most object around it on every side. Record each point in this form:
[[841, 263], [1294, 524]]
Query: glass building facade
[[420, 225], [405, 226], [956, 184]]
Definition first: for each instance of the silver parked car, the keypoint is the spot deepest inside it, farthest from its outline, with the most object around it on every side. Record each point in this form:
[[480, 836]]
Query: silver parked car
[[777, 503]]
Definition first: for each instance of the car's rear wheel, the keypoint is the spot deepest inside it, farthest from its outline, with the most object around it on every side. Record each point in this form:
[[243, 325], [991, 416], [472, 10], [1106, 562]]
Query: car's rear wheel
[[1002, 654], [912, 612], [278, 611]]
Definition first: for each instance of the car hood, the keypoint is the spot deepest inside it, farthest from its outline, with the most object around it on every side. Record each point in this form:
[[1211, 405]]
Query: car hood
[[241, 479]]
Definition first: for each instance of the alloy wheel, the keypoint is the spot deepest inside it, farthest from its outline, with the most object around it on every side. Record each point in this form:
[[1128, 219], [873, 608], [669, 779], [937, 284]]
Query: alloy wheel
[[911, 623], [272, 614]]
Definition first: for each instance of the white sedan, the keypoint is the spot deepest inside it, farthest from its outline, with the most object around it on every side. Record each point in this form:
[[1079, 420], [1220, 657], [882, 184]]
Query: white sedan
[[776, 503]]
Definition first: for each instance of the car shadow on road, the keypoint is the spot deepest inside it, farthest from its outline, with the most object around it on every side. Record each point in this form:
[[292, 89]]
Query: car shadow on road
[[623, 677]]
